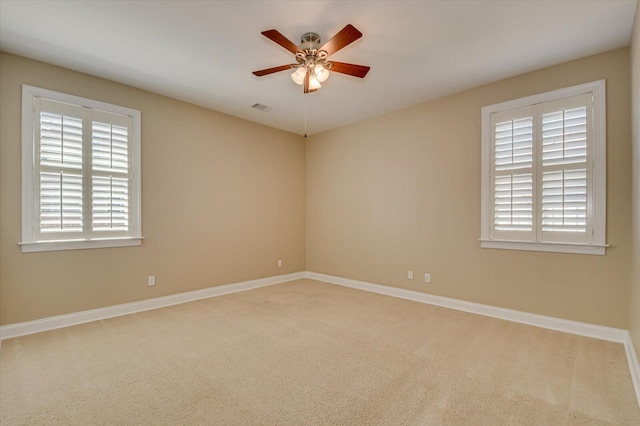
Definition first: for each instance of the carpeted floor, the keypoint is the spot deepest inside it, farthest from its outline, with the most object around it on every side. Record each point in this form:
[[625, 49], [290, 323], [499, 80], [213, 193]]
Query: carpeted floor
[[305, 353]]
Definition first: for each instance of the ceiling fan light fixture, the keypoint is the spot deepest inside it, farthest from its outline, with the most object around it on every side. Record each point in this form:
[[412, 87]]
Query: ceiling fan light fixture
[[298, 75], [312, 66], [322, 74], [314, 84]]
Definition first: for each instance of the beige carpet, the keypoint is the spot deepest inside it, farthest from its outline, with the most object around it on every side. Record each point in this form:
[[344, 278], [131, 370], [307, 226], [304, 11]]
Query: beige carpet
[[304, 353]]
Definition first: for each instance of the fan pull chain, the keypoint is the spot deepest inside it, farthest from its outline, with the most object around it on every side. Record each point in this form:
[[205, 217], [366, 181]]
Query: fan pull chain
[[306, 106]]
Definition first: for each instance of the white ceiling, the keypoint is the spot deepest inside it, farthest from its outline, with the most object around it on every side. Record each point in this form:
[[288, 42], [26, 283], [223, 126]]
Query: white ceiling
[[203, 52]]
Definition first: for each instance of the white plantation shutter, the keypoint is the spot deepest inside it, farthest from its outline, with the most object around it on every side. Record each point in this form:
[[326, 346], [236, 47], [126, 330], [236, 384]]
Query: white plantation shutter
[[60, 171], [512, 164], [110, 173], [544, 164], [565, 181], [72, 181], [83, 161], [59, 157]]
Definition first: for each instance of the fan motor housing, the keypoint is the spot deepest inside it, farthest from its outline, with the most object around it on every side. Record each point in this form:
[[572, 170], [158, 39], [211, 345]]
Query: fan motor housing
[[310, 41]]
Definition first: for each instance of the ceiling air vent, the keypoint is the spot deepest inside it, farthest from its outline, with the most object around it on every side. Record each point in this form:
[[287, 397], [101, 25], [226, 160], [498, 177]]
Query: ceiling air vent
[[261, 107]]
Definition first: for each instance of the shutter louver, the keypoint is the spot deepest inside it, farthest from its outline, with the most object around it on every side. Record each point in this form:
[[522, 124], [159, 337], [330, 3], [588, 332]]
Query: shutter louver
[[514, 203], [109, 144], [564, 201], [60, 140], [514, 144], [110, 204], [60, 202], [564, 137]]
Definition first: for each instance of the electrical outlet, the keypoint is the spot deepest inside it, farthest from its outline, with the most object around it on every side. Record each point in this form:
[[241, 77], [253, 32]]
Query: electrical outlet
[[279, 263], [427, 278], [410, 275], [151, 280]]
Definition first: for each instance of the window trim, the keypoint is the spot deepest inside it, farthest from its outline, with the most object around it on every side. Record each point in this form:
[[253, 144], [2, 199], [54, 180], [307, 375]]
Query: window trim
[[598, 243], [29, 211]]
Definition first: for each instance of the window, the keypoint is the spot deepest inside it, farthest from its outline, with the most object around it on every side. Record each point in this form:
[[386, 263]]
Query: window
[[80, 173], [544, 171]]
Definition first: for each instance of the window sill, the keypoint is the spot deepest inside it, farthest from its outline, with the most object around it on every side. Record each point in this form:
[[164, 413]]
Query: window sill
[[79, 244], [596, 249]]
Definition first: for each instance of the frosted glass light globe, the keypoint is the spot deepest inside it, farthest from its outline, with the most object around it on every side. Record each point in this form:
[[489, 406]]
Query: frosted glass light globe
[[298, 75], [321, 73]]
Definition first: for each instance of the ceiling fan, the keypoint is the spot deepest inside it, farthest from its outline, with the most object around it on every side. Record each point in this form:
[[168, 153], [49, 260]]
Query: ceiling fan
[[312, 65]]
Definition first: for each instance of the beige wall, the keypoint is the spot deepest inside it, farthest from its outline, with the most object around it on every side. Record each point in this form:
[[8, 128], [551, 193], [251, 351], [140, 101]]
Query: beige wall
[[222, 199], [634, 312], [402, 192]]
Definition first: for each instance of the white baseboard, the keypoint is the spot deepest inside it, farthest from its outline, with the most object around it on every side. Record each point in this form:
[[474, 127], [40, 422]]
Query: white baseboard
[[634, 365], [44, 324]]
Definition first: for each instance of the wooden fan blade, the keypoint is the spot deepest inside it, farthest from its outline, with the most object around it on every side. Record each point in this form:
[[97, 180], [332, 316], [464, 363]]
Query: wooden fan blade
[[272, 70], [346, 36], [275, 36], [350, 69]]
